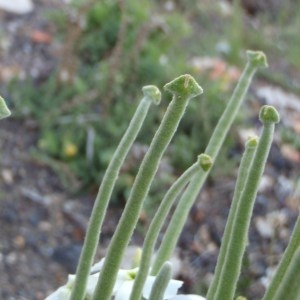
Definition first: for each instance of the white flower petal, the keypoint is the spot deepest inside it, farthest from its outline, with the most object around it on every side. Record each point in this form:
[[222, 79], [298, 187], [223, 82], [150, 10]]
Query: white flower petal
[[124, 290], [61, 293], [188, 297], [96, 268], [171, 289], [122, 277], [91, 285]]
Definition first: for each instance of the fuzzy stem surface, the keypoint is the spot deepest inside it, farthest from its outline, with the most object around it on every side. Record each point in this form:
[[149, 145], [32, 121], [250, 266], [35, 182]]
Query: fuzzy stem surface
[[256, 59], [104, 194], [183, 89], [240, 185], [155, 227], [293, 245], [236, 247], [161, 282]]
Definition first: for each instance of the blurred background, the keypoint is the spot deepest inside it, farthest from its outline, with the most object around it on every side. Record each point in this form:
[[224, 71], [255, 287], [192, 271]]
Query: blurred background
[[72, 73]]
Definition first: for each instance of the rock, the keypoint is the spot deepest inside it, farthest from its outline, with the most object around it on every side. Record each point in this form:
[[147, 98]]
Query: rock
[[17, 6], [264, 227], [270, 272], [67, 256], [41, 37], [7, 176], [266, 183], [271, 223]]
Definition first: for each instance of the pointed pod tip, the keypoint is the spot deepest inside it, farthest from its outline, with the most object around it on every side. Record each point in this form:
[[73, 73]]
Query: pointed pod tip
[[252, 141], [269, 114], [184, 86], [152, 93], [205, 161], [4, 111], [257, 58]]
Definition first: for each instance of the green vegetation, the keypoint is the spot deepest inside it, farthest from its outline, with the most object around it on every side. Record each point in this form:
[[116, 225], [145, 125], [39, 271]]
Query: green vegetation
[[131, 44]]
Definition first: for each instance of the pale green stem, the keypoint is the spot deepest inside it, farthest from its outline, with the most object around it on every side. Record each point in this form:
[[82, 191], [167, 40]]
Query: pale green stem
[[161, 282], [239, 236], [255, 59], [293, 245], [240, 185], [4, 111], [289, 288], [151, 94], [183, 89], [158, 220]]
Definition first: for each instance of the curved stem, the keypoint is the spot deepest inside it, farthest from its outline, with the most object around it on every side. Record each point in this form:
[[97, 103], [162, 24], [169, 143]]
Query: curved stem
[[289, 288], [161, 282], [255, 59], [155, 227], [183, 88], [235, 249], [151, 94], [293, 245], [240, 185]]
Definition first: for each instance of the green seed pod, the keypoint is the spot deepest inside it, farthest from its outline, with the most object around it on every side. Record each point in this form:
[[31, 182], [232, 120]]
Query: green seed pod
[[257, 58], [184, 86], [152, 93], [4, 111], [269, 114], [205, 161]]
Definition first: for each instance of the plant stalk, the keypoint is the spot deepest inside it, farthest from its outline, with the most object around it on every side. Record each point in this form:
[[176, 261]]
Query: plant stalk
[[183, 89], [151, 94], [256, 59]]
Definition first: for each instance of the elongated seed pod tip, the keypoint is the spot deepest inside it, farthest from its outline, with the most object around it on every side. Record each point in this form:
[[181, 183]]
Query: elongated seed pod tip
[[257, 58], [152, 93], [251, 142], [205, 161], [269, 114], [184, 86]]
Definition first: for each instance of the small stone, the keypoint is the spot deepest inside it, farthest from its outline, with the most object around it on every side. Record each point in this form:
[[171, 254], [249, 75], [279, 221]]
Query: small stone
[[7, 176], [45, 226], [17, 6], [67, 256], [266, 183], [264, 227], [11, 258], [19, 242]]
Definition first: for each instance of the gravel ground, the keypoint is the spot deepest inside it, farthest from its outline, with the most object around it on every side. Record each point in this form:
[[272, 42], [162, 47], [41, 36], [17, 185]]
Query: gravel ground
[[42, 226]]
